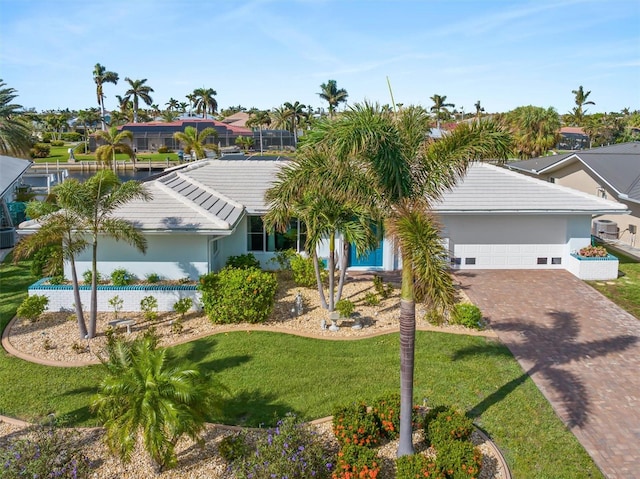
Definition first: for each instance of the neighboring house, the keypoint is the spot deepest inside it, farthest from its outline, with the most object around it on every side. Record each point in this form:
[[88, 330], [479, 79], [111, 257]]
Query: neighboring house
[[11, 170], [573, 138], [212, 209], [611, 172]]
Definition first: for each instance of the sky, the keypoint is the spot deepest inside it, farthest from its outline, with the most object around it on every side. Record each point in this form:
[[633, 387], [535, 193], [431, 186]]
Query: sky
[[263, 53]]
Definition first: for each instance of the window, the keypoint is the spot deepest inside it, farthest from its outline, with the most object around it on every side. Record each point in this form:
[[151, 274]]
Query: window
[[542, 260], [258, 239], [556, 260], [469, 261], [456, 261]]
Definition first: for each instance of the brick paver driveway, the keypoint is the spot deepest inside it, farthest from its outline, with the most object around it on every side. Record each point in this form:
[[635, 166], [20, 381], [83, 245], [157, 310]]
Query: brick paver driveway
[[582, 351]]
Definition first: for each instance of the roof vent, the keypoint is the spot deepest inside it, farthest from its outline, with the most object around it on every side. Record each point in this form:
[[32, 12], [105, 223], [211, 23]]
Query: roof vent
[[605, 229]]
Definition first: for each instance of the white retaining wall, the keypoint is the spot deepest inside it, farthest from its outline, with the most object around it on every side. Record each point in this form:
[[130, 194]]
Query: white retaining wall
[[593, 268]]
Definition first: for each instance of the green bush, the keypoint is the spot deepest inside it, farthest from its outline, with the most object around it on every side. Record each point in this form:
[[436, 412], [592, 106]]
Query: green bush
[[356, 461], [434, 316], [384, 290], [48, 453], [116, 303], [458, 459], [152, 278], [32, 307], [47, 261], [467, 315], [57, 143], [353, 424], [345, 307], [289, 450], [243, 261], [416, 466], [149, 306], [182, 306], [72, 136], [387, 409], [234, 447], [371, 299], [304, 273], [447, 425], [238, 295], [40, 150], [283, 259], [121, 277], [86, 276]]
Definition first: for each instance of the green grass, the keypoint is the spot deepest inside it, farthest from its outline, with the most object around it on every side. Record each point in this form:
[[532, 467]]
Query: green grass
[[61, 154], [624, 291], [268, 374]]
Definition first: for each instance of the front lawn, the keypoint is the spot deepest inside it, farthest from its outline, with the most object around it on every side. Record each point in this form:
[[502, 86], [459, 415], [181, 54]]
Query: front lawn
[[268, 374], [624, 291]]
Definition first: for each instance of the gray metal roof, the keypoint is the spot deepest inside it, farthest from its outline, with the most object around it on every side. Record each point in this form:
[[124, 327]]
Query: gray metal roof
[[11, 169], [492, 189], [617, 165]]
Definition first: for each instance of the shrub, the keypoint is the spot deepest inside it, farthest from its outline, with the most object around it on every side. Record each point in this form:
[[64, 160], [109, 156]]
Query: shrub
[[177, 326], [458, 459], [32, 307], [48, 453], [415, 466], [152, 278], [283, 258], [71, 136], [163, 149], [40, 150], [345, 307], [447, 425], [57, 143], [116, 303], [233, 448], [371, 299], [47, 261], [356, 462], [353, 424], [384, 290], [238, 295], [387, 409], [467, 315], [434, 316], [58, 279], [149, 306], [182, 306], [289, 450], [593, 252], [121, 277], [243, 261], [303, 270], [86, 276]]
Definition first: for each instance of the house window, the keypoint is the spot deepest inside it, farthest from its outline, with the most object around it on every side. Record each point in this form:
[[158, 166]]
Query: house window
[[259, 239], [556, 260], [469, 261], [552, 179], [601, 192], [542, 260], [456, 261]]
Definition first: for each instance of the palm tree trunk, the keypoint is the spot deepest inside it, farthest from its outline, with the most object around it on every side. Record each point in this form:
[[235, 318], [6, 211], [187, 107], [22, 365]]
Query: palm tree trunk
[[93, 313], [261, 149], [332, 271], [316, 267], [407, 353], [343, 268], [82, 327]]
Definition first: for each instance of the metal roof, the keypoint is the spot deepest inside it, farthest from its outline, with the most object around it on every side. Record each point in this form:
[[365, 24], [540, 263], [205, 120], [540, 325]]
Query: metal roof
[[492, 189], [11, 169]]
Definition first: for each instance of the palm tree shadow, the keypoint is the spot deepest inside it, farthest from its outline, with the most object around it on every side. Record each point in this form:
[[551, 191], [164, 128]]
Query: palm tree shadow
[[572, 396]]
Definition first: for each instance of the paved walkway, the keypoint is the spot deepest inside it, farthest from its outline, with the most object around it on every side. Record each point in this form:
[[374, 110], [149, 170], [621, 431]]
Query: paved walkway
[[582, 351]]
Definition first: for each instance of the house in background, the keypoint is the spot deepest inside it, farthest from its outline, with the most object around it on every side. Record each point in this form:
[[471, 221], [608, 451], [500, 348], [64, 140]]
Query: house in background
[[205, 212], [609, 172], [573, 138], [11, 171]]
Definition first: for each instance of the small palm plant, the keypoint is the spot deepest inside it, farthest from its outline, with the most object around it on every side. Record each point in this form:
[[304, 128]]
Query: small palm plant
[[145, 392]]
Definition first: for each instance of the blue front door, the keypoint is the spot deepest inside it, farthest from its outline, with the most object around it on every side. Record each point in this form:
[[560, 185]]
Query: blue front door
[[371, 259]]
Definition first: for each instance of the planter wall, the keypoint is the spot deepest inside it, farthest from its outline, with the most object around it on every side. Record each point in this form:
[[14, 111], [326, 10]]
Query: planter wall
[[604, 268], [61, 296]]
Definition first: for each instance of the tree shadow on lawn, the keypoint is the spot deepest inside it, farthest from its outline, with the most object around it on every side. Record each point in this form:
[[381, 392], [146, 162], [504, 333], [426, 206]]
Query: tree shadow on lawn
[[547, 349], [196, 352], [251, 409]]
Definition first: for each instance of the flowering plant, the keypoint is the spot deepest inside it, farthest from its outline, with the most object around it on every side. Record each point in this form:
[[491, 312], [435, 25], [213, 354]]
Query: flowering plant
[[593, 252]]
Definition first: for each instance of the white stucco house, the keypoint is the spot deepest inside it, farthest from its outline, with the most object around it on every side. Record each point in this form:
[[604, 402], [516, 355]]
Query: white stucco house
[[204, 212]]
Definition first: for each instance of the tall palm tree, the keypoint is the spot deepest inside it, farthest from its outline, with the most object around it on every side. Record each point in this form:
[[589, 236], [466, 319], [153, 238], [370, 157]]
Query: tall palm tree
[[194, 142], [15, 134], [295, 112], [479, 110], [182, 106], [580, 100], [535, 130], [138, 91], [204, 101], [59, 224], [113, 143], [172, 104], [102, 195], [333, 95], [440, 107], [145, 393], [100, 77], [409, 173], [259, 118]]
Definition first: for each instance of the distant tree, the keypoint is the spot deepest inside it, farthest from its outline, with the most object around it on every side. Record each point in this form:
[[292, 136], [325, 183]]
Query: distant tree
[[581, 100], [535, 130], [183, 106], [479, 110], [259, 118], [232, 110], [169, 115], [15, 134], [113, 143], [88, 118], [245, 142], [194, 142], [295, 113], [332, 95], [440, 106], [172, 104], [138, 91], [100, 77], [204, 101]]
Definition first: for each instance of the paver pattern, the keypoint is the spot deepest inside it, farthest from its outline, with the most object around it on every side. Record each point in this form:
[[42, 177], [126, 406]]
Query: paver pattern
[[581, 350]]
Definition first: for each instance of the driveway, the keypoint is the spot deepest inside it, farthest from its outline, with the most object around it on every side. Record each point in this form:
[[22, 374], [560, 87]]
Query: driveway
[[581, 350]]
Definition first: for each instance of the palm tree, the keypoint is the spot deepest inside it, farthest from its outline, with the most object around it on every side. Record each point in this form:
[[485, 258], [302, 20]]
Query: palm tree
[[332, 95], [245, 142], [479, 110], [440, 107], [113, 143], [408, 173], [169, 115], [580, 100], [535, 130], [259, 118], [144, 392], [100, 77], [204, 102], [182, 106], [138, 91], [15, 134], [88, 118], [102, 195], [194, 142], [295, 112], [172, 104], [59, 225]]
